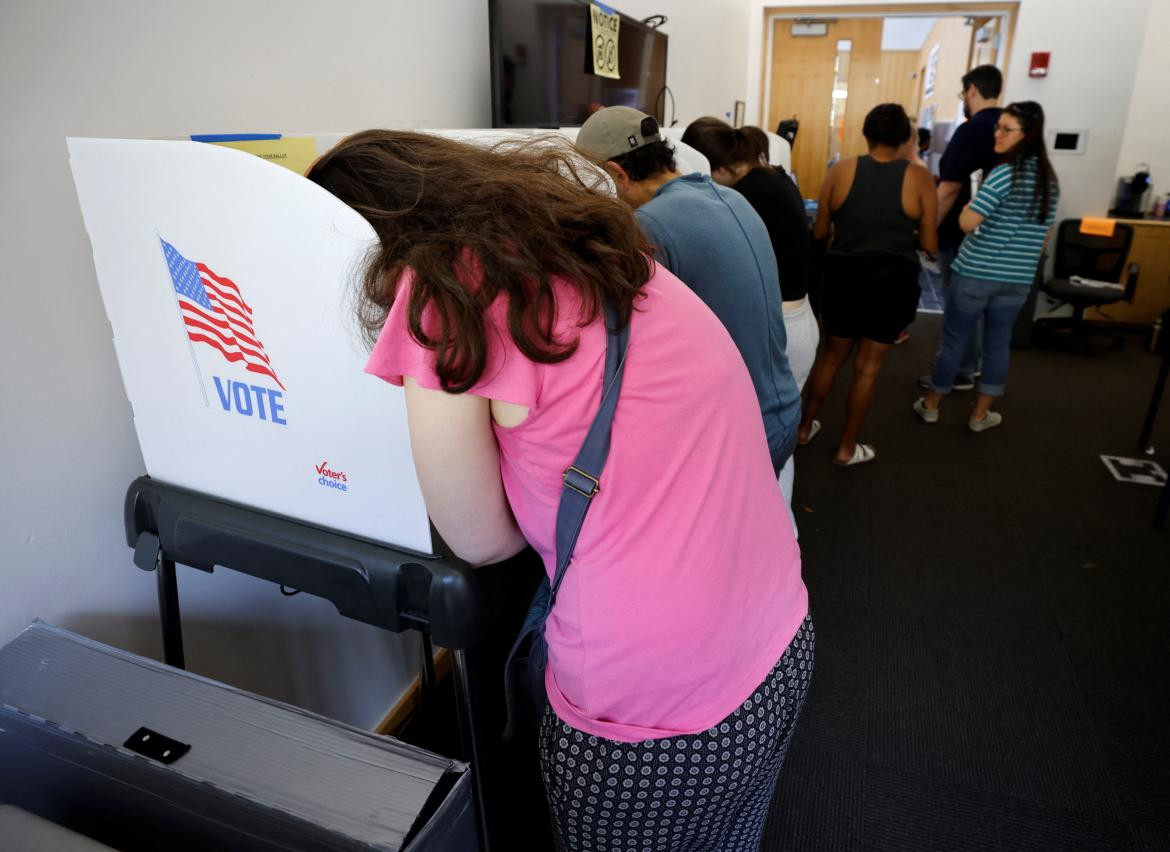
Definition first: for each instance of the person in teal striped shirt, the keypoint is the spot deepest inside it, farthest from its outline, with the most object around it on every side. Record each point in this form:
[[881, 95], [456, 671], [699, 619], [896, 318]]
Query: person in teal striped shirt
[[1007, 225]]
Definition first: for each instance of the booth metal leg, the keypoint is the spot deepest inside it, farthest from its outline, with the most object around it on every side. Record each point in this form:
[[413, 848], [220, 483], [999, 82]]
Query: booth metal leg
[[426, 675], [473, 751], [1163, 507], [168, 611], [1155, 400]]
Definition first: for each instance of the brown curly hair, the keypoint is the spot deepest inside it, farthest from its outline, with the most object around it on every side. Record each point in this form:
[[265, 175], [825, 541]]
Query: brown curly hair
[[473, 223]]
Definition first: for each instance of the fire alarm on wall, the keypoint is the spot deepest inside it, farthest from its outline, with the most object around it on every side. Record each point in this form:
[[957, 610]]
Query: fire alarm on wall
[[1039, 66]]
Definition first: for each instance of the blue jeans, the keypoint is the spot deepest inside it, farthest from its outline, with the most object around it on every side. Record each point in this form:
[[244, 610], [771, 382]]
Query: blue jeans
[[969, 300], [973, 355]]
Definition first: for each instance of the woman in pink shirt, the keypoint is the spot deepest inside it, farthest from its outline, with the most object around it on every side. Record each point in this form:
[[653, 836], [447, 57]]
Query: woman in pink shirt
[[680, 647]]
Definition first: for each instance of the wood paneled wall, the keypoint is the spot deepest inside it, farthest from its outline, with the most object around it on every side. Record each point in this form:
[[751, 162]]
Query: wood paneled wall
[[954, 39]]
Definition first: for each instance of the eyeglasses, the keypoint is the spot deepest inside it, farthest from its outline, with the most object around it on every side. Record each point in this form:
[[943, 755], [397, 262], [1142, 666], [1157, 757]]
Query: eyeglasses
[[999, 128]]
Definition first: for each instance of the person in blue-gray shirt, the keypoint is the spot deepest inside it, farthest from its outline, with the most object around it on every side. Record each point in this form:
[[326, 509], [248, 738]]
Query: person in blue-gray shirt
[[711, 238]]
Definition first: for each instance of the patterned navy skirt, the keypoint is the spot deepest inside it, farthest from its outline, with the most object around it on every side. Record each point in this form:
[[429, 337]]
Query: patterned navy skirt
[[698, 792]]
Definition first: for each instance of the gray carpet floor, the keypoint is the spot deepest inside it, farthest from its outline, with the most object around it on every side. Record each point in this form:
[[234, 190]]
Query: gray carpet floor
[[992, 616]]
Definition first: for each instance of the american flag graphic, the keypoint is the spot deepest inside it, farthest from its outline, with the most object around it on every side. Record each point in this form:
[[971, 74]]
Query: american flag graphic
[[215, 313]]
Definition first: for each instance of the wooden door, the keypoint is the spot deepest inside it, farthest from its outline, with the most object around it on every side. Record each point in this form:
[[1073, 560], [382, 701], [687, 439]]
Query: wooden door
[[802, 76], [865, 88], [899, 80]]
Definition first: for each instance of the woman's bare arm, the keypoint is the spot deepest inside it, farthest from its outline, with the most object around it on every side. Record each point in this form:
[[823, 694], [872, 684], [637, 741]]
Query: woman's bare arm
[[822, 225], [458, 464], [969, 220], [928, 199]]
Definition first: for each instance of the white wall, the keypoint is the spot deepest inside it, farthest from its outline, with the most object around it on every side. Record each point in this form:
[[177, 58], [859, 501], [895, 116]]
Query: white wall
[[1090, 78], [137, 68], [1147, 132], [704, 66], [1094, 69]]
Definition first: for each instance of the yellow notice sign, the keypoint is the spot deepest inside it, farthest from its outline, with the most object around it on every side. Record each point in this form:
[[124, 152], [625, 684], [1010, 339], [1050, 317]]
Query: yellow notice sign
[[604, 23], [295, 153], [1097, 227]]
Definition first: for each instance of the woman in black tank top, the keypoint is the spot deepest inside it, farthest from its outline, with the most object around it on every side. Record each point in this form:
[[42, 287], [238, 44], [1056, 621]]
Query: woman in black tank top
[[880, 209]]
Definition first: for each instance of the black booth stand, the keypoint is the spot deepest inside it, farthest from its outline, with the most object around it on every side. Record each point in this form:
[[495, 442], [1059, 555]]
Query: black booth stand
[[1163, 349], [473, 612]]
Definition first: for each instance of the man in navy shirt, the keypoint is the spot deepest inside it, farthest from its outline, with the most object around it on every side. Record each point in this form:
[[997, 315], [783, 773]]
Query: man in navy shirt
[[971, 149]]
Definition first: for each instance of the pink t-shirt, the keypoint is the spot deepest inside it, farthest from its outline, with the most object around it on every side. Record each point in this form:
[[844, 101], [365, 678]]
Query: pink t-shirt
[[684, 588]]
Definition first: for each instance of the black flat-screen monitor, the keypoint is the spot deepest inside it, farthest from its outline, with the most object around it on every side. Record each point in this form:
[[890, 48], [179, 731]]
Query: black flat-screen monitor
[[541, 60]]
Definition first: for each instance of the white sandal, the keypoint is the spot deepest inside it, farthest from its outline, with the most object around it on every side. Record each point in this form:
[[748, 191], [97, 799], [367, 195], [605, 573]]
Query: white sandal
[[813, 428], [862, 453]]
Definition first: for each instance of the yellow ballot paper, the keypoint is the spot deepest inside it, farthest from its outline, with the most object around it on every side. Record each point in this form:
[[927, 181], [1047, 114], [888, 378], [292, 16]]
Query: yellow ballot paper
[[295, 153], [604, 23]]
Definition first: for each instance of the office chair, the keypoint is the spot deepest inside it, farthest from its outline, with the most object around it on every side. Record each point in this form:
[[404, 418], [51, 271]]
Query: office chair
[[1082, 263]]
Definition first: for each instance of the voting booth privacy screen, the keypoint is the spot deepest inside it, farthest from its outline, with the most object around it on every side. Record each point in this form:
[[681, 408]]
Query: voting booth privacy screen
[[228, 284]]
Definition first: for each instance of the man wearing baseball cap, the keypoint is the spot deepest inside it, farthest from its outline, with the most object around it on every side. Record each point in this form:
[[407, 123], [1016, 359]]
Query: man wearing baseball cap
[[712, 239]]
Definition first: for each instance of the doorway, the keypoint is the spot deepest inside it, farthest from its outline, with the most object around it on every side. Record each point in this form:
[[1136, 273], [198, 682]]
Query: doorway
[[829, 66]]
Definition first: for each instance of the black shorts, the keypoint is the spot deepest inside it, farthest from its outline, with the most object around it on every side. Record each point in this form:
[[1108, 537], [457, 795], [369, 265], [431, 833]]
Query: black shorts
[[874, 297]]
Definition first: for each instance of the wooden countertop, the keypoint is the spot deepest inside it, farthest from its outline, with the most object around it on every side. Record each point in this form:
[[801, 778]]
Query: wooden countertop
[[1162, 223]]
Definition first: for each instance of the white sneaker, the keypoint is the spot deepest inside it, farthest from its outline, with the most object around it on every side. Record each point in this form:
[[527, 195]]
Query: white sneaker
[[989, 421], [927, 415]]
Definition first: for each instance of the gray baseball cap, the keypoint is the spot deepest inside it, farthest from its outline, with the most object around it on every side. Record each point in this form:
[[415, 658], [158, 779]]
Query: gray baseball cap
[[617, 130]]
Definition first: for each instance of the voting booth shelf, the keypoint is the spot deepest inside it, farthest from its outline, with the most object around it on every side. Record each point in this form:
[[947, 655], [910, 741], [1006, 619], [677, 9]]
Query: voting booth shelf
[[142, 756], [473, 612]]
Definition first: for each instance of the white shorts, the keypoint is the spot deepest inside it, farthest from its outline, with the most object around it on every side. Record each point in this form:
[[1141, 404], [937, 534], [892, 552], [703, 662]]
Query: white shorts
[[800, 327]]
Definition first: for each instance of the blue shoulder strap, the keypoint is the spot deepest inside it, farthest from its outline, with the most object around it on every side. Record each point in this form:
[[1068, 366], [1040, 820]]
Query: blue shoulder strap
[[581, 478]]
